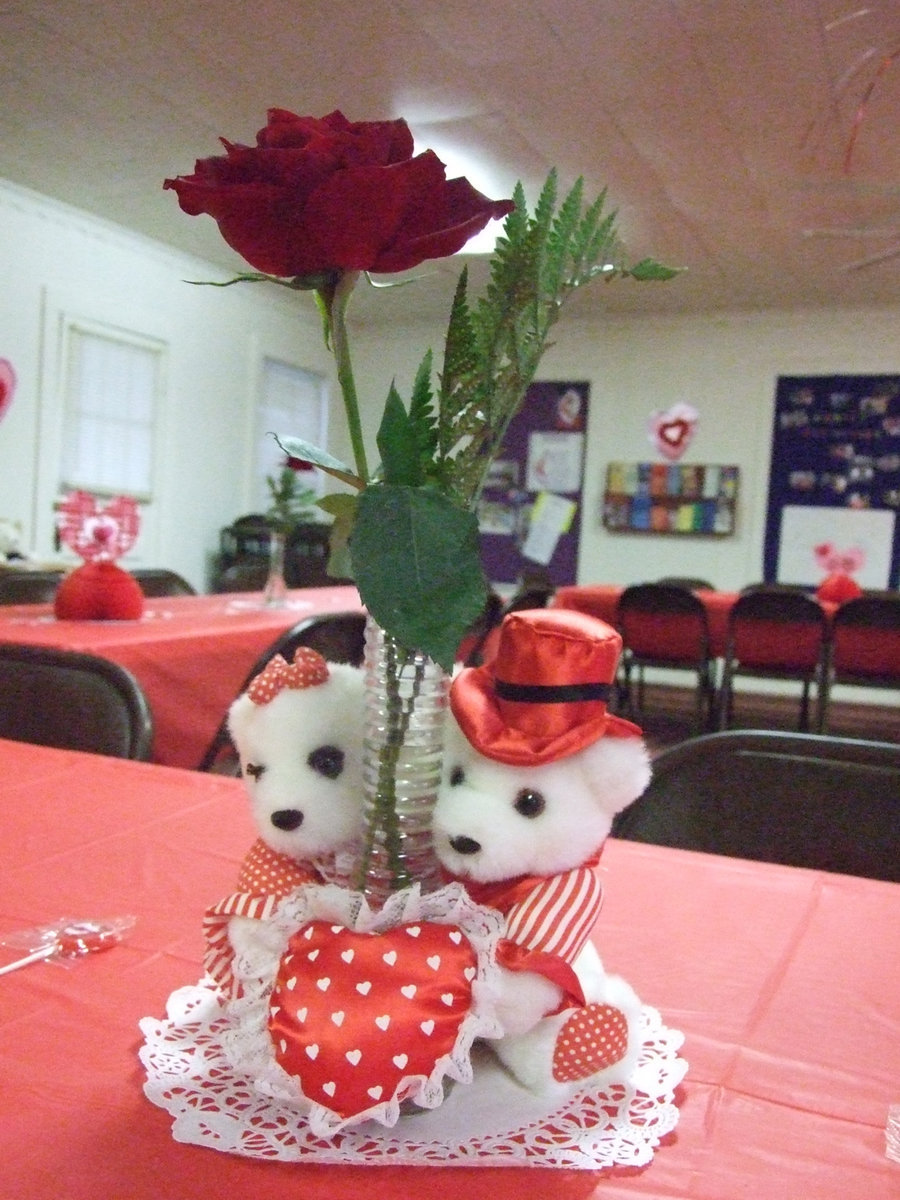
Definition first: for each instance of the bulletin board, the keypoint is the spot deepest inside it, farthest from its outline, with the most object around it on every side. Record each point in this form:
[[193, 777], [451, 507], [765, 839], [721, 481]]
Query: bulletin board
[[835, 479], [676, 498], [530, 508]]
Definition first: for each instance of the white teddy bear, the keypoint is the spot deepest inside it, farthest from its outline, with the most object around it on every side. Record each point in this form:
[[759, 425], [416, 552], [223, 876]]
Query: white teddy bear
[[535, 769], [298, 733]]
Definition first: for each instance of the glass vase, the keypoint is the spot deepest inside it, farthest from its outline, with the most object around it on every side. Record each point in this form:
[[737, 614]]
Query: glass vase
[[404, 712], [275, 591]]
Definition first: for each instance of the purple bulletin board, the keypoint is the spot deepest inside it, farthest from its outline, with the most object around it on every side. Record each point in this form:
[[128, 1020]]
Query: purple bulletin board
[[540, 461], [834, 487]]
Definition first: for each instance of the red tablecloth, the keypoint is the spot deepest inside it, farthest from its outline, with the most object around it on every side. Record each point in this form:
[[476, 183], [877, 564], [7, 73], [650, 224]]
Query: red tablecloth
[[600, 600], [190, 654], [785, 983]]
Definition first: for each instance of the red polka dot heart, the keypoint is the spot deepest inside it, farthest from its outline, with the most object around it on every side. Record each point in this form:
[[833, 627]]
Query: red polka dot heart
[[359, 1018]]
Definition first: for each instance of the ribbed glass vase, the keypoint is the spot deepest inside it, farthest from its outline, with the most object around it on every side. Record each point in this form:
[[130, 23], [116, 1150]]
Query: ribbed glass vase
[[405, 704], [275, 591]]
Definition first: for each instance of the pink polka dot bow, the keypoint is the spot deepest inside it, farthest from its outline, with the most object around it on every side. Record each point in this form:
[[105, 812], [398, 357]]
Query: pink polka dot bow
[[308, 669]]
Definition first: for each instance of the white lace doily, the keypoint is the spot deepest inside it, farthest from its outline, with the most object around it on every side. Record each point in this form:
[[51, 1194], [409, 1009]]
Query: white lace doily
[[489, 1122], [210, 1065]]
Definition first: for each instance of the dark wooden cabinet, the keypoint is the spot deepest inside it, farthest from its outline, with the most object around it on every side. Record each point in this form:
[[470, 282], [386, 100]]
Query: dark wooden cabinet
[[242, 563]]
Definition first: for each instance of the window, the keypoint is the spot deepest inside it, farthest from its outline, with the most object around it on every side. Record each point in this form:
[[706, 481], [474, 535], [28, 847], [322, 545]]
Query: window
[[292, 401], [113, 381]]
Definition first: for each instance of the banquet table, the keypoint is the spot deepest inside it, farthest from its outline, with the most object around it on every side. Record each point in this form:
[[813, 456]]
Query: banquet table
[[190, 654], [785, 983], [600, 600]]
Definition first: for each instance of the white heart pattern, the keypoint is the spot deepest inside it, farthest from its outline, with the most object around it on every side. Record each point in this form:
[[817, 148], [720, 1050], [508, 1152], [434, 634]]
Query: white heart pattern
[[329, 1026]]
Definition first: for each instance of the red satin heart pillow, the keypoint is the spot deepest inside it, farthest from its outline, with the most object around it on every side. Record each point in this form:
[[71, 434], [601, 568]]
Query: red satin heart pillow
[[361, 1017]]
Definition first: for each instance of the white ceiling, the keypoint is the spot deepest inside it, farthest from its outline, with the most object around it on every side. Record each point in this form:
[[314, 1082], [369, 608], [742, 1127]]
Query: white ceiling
[[754, 142]]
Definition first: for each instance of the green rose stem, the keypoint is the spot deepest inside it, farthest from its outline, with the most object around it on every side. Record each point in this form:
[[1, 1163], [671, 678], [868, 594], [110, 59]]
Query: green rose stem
[[384, 809], [334, 299]]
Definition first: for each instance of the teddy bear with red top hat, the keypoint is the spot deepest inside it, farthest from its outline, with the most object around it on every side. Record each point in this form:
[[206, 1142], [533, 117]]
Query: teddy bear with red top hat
[[535, 769]]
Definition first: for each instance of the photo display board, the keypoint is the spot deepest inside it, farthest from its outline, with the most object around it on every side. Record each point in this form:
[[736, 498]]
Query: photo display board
[[682, 498], [530, 508], [834, 489]]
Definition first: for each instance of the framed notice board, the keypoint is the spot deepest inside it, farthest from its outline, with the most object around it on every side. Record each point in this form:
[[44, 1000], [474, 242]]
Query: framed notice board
[[530, 507], [671, 498], [834, 488]]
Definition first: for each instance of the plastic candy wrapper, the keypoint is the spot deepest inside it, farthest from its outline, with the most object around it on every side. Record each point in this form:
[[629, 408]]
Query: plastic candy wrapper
[[65, 940], [892, 1133]]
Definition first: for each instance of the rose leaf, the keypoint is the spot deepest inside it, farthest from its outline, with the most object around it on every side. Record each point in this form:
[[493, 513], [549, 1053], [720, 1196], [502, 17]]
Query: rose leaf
[[416, 562]]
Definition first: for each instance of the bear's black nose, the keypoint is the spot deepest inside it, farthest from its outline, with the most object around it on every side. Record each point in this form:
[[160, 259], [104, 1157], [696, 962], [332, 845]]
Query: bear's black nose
[[287, 819], [465, 845]]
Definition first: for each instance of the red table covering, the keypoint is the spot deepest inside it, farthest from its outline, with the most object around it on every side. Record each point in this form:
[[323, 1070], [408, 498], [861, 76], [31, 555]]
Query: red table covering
[[785, 982], [190, 654], [600, 600]]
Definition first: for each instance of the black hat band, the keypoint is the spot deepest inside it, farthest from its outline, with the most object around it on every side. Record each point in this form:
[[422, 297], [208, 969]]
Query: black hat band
[[566, 693]]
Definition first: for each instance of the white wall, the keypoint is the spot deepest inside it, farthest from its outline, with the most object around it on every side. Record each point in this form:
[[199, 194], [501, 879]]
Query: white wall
[[726, 366], [55, 261]]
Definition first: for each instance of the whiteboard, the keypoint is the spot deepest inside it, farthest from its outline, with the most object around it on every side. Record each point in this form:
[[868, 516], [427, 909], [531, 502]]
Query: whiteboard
[[803, 527]]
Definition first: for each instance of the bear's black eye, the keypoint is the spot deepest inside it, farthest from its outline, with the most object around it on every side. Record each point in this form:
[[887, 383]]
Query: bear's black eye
[[327, 761], [254, 770], [528, 803], [457, 775]]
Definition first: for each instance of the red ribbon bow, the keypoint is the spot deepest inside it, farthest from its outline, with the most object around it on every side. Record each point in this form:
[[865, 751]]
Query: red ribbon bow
[[308, 669]]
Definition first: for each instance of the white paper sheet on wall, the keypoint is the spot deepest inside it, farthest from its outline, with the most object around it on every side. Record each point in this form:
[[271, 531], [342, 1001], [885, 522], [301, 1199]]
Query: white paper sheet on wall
[[551, 516], [803, 527], [554, 462]]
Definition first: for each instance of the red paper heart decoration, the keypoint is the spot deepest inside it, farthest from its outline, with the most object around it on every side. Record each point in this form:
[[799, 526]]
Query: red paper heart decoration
[[7, 385], [98, 534], [359, 1018], [671, 432], [830, 558]]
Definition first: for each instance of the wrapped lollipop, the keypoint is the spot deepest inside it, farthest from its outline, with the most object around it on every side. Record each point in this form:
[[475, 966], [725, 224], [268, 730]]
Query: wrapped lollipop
[[67, 939]]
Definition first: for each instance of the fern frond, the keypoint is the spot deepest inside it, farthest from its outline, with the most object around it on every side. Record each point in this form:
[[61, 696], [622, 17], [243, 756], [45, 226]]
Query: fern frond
[[494, 345], [422, 417]]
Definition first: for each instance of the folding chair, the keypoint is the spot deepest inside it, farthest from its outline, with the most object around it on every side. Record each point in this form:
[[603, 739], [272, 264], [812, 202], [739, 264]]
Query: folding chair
[[338, 637], [74, 701], [865, 644], [804, 800], [157, 581], [664, 625], [774, 633], [28, 587]]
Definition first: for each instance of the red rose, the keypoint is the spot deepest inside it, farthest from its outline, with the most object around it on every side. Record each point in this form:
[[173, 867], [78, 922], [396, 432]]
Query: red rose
[[318, 195]]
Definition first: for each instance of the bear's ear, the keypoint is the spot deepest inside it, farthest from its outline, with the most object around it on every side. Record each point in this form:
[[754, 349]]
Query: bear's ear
[[617, 771], [238, 714]]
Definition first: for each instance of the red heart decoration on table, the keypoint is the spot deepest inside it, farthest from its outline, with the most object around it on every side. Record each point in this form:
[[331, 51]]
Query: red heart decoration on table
[[94, 533], [7, 385], [672, 431], [98, 591], [358, 1018]]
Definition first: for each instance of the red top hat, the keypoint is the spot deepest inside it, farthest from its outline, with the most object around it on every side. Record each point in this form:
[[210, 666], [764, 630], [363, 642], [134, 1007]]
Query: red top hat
[[544, 695]]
